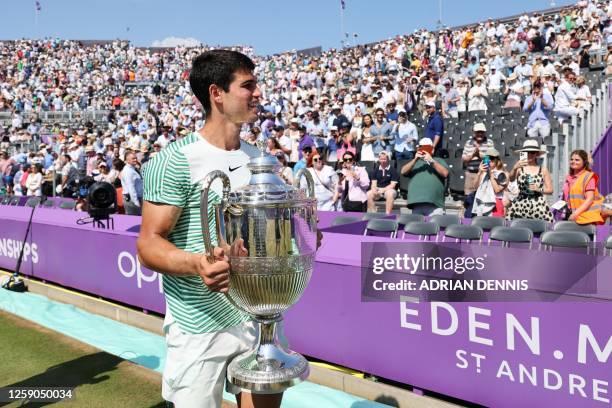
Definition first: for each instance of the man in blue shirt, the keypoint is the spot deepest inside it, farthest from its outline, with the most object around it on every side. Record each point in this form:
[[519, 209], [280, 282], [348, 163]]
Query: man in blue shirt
[[538, 104], [435, 127], [380, 133]]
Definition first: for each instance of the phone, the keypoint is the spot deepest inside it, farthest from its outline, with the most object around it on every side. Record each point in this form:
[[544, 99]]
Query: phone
[[523, 156], [486, 161]]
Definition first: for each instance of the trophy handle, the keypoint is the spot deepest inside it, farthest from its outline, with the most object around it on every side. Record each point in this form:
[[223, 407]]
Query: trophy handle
[[206, 183], [309, 181]]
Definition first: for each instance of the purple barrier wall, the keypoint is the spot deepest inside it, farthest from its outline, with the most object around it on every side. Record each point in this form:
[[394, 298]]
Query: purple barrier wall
[[495, 354], [602, 162]]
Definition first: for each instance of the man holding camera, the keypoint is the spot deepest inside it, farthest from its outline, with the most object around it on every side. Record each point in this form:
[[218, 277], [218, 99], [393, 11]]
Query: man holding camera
[[474, 151], [427, 177]]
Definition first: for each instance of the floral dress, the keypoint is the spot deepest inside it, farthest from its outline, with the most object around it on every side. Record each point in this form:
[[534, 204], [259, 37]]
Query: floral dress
[[530, 204]]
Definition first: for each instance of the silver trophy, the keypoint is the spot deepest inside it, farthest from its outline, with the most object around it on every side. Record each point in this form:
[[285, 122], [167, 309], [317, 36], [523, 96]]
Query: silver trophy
[[278, 224]]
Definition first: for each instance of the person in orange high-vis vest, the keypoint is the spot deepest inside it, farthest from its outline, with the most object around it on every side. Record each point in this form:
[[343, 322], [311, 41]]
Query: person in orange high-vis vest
[[580, 191]]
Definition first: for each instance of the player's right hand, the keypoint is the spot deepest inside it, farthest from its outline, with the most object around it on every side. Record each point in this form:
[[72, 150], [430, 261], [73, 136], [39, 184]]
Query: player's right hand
[[215, 275]]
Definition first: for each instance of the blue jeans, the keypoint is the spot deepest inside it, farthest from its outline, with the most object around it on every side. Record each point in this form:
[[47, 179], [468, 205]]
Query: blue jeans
[[405, 155]]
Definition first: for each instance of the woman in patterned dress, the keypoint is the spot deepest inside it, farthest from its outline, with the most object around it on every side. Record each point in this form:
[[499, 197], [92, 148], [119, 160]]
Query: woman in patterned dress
[[533, 182]]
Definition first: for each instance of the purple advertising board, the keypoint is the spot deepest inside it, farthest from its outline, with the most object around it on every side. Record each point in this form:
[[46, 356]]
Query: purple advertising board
[[499, 354]]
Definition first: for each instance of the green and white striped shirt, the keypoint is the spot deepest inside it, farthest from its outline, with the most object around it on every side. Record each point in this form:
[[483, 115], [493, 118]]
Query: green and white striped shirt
[[174, 177]]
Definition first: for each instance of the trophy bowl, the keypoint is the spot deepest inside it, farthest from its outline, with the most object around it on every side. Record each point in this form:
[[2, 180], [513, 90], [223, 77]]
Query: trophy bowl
[[278, 225]]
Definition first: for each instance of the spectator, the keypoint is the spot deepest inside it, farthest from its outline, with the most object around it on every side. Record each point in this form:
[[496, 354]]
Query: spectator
[[406, 136], [565, 98], [427, 176], [533, 183], [524, 72], [34, 181], [285, 172], [477, 97], [353, 184], [434, 130], [347, 143], [384, 184], [580, 191], [494, 80], [380, 133], [333, 144], [474, 151], [583, 94], [450, 100], [306, 159], [131, 183], [539, 105], [514, 91], [493, 180], [325, 184]]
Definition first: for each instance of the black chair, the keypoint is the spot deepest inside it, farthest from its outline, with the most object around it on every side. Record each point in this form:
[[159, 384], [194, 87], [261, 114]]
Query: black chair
[[589, 229], [48, 204], [444, 220], [565, 239], [459, 232], [33, 202], [608, 245], [536, 226], [67, 205], [487, 223], [422, 229], [406, 218], [372, 216], [511, 234], [341, 220], [6, 200], [380, 225], [15, 200]]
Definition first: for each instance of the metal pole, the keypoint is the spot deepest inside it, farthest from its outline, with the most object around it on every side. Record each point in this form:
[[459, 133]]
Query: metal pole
[[54, 179], [565, 143], [556, 165]]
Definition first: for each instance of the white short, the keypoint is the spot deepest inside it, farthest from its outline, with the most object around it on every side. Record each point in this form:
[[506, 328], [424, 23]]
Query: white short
[[196, 364]]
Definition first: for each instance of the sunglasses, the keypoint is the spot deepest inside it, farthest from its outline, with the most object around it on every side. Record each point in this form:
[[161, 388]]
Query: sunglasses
[[315, 160], [347, 159]]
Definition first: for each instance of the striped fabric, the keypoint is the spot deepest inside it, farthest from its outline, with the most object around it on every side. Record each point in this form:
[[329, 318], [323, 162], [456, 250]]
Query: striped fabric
[[167, 180]]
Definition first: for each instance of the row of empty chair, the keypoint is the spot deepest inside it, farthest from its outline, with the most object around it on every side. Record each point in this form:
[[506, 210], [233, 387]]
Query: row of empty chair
[[560, 234], [37, 201]]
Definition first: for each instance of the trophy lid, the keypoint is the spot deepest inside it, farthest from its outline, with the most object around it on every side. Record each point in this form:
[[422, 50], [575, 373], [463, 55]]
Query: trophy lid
[[265, 185]]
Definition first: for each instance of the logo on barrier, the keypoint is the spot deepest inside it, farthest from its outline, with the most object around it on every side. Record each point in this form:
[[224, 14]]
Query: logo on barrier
[[129, 265], [11, 248]]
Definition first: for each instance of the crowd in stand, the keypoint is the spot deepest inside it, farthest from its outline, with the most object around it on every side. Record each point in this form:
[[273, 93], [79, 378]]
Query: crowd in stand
[[384, 102]]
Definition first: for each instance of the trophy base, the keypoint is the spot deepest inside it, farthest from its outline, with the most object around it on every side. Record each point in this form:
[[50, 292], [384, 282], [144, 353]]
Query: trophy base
[[270, 368]]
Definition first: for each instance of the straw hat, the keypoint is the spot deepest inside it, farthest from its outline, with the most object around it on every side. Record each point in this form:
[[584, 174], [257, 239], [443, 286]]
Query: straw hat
[[530, 145]]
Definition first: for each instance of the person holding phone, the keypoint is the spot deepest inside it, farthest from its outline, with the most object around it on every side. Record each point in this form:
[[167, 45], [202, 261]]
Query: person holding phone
[[353, 184], [534, 182], [493, 181], [427, 180]]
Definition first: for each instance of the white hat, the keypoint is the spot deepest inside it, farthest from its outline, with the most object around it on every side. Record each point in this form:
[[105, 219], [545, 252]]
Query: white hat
[[294, 120], [333, 128], [530, 145], [430, 104], [479, 127], [335, 106], [425, 142]]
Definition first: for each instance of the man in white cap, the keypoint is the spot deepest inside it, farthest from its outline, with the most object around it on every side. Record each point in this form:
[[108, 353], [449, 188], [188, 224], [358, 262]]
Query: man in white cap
[[427, 176]]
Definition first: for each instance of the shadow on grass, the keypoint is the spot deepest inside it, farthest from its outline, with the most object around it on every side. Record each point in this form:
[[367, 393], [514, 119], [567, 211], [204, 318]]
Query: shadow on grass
[[87, 369]]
